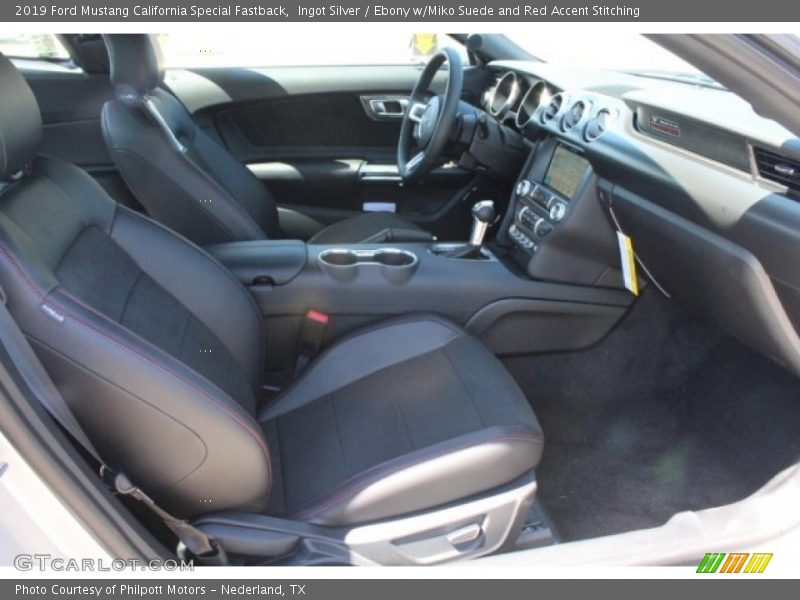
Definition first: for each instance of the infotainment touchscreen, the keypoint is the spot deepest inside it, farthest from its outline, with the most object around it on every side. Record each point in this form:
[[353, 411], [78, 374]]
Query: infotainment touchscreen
[[565, 171]]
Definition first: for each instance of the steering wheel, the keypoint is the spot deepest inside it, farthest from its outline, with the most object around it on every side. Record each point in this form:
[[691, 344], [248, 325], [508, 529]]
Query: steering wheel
[[428, 124]]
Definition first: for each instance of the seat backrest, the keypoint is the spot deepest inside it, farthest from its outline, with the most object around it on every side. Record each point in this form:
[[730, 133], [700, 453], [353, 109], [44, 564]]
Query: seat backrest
[[182, 176], [155, 346]]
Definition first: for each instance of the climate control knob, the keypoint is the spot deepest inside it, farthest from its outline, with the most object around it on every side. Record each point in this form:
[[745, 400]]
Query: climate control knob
[[558, 211], [524, 188]]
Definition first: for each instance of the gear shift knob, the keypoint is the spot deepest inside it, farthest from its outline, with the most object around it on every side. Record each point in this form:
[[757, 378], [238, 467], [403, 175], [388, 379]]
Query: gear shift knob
[[484, 211], [483, 215]]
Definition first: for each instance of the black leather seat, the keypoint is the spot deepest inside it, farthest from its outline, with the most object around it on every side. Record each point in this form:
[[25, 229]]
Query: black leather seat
[[159, 350], [407, 415], [188, 181]]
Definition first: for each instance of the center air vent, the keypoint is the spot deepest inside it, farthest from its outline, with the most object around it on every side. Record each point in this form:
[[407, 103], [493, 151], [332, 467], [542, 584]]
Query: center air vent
[[597, 126], [553, 108], [777, 168], [574, 115]]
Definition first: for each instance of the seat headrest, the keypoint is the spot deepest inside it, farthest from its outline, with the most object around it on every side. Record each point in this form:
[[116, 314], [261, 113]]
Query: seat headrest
[[136, 63], [20, 121]]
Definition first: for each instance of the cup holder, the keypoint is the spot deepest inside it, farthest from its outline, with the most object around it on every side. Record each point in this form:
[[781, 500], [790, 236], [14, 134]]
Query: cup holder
[[395, 258], [344, 264], [339, 258]]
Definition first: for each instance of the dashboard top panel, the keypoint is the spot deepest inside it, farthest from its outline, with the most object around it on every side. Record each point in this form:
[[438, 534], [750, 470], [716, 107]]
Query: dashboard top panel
[[714, 107]]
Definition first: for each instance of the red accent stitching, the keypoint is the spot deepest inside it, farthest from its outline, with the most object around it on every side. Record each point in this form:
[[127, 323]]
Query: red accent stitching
[[158, 366], [186, 382], [310, 512], [21, 272]]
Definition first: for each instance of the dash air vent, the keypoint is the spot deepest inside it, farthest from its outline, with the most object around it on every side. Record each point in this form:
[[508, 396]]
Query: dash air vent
[[574, 115], [553, 108], [777, 168], [597, 126]]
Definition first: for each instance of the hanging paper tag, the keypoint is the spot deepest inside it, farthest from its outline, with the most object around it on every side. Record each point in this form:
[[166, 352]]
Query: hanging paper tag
[[628, 263]]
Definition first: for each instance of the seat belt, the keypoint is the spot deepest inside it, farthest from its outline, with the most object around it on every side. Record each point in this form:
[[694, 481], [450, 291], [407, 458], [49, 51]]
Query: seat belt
[[134, 100], [27, 364]]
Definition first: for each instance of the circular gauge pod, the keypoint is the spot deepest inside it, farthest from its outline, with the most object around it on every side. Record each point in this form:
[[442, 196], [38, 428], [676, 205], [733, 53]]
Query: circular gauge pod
[[536, 97], [505, 94]]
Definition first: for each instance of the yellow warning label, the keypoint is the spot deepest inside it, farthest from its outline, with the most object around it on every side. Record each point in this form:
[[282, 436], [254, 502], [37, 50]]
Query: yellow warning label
[[424, 44], [628, 259]]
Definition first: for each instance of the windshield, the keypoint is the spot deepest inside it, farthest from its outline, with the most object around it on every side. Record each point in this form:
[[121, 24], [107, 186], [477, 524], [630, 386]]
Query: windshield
[[628, 52]]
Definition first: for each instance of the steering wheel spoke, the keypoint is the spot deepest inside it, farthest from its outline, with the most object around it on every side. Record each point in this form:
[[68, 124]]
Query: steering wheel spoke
[[415, 111], [415, 161]]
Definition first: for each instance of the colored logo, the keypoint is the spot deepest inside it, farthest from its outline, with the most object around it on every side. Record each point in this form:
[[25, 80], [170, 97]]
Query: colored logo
[[734, 562]]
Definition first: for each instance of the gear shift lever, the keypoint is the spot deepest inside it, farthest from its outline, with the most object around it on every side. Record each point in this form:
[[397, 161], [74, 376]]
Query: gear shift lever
[[483, 215]]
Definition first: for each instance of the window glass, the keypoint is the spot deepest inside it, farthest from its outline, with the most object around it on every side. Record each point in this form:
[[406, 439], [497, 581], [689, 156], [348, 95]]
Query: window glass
[[622, 51], [326, 47], [33, 45]]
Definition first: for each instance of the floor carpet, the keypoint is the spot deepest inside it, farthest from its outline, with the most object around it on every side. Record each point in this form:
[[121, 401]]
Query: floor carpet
[[666, 414]]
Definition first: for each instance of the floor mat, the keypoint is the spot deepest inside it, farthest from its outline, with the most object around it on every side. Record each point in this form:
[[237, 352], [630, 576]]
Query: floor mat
[[666, 414]]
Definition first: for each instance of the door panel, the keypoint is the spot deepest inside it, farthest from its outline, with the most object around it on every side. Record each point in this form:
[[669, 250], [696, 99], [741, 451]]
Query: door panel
[[236, 85], [323, 125], [309, 133]]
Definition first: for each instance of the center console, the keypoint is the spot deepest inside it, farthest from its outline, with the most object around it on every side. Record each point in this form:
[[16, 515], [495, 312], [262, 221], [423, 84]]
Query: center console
[[542, 205], [357, 285], [555, 228], [546, 283]]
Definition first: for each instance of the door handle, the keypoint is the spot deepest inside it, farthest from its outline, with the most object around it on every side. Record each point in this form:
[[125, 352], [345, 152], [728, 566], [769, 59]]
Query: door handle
[[384, 107]]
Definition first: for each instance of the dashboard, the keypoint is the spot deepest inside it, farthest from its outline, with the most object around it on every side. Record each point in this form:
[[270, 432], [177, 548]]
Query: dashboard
[[708, 191]]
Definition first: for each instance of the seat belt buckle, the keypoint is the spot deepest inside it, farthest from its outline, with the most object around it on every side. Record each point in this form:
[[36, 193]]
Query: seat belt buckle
[[191, 540], [312, 334]]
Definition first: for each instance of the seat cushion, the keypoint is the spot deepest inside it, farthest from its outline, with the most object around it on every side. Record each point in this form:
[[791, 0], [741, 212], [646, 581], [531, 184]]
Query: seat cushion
[[371, 228], [404, 416]]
